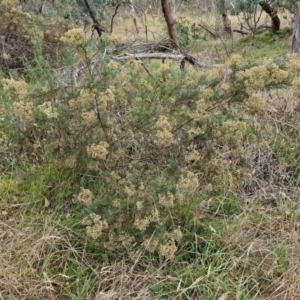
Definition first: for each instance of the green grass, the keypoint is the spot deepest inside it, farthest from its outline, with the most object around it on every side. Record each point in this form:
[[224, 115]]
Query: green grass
[[265, 45]]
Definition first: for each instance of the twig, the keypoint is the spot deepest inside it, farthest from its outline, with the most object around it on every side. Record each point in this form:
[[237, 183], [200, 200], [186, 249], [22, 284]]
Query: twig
[[216, 105], [209, 31], [145, 68]]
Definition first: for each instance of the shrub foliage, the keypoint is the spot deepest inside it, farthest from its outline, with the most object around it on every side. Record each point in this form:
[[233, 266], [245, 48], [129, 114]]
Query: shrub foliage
[[144, 140]]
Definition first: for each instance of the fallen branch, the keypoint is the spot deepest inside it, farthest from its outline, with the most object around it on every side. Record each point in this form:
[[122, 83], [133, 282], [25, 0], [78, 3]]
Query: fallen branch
[[262, 28], [143, 47], [241, 31], [179, 57], [127, 56], [259, 29]]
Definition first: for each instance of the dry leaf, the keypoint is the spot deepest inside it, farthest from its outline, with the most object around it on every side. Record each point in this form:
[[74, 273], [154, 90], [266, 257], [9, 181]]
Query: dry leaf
[[282, 195], [224, 296], [4, 213], [47, 203]]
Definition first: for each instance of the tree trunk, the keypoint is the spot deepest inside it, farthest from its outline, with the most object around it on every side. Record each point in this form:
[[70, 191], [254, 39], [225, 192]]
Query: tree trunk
[[226, 20], [133, 13], [226, 23], [296, 33], [166, 8], [41, 9], [272, 13]]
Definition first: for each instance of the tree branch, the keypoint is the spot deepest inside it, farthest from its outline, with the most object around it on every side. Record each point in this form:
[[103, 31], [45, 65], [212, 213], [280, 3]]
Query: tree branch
[[241, 31], [209, 31], [115, 13], [96, 24]]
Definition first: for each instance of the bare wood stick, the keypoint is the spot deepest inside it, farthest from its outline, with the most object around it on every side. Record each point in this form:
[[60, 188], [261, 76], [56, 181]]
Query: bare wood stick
[[241, 31]]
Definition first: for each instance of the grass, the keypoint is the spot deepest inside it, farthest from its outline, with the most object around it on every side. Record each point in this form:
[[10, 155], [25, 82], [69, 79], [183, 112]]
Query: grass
[[242, 249], [265, 45]]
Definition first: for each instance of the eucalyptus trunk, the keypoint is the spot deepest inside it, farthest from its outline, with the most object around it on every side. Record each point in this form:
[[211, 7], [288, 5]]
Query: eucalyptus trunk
[[167, 12], [273, 15], [296, 33]]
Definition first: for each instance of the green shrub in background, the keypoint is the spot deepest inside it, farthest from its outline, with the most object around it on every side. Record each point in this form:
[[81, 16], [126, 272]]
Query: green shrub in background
[[189, 33], [183, 30]]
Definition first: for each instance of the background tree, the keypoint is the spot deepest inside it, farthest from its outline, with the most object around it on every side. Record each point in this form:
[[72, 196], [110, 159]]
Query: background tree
[[284, 5], [272, 12], [223, 12], [251, 14], [134, 16], [296, 34], [248, 8]]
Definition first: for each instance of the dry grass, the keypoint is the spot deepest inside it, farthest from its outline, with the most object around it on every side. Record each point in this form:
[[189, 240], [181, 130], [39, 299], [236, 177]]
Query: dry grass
[[250, 255], [149, 28], [23, 275], [123, 280], [265, 250], [37, 259]]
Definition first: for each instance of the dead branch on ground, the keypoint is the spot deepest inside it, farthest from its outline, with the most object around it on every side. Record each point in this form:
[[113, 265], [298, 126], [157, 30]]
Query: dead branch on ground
[[180, 57], [259, 29]]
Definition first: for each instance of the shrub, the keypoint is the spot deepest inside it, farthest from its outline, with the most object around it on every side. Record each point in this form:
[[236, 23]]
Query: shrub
[[140, 150]]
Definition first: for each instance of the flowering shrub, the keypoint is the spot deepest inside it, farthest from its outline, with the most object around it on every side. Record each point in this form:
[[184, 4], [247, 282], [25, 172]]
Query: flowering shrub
[[140, 150], [75, 36]]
